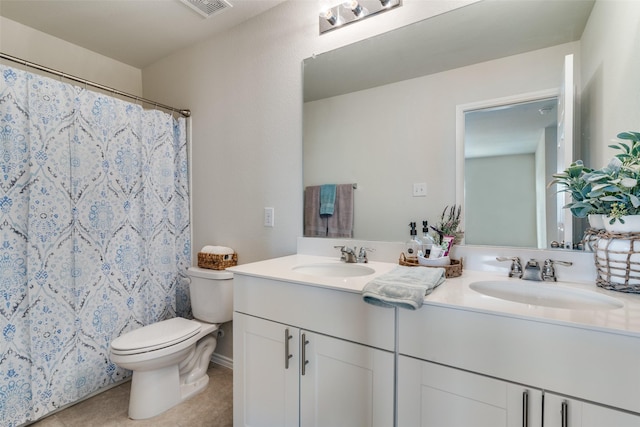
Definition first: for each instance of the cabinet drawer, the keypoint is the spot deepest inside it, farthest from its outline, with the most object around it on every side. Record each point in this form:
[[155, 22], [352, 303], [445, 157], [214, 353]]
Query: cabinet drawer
[[327, 311]]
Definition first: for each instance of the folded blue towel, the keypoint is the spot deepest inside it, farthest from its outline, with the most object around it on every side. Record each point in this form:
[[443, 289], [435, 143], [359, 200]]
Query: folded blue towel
[[327, 199], [403, 287]]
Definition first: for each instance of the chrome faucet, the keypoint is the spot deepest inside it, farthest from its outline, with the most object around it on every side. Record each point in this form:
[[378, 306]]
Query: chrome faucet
[[532, 271], [348, 255], [548, 270], [516, 266]]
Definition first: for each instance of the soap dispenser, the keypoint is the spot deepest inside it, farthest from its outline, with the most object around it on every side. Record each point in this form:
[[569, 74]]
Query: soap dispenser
[[413, 246], [427, 240]]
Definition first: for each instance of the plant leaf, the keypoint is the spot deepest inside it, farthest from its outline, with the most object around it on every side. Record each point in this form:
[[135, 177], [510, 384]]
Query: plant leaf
[[628, 182]]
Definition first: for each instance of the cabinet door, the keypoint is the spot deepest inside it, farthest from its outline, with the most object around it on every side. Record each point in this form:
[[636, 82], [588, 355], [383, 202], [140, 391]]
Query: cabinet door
[[561, 411], [434, 395], [265, 388], [344, 384]]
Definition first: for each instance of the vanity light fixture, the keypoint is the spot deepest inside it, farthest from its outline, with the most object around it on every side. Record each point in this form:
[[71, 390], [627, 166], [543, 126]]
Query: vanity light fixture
[[355, 7], [336, 13]]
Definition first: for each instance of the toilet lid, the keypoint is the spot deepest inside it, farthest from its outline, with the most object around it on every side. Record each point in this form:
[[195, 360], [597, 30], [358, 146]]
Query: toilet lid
[[156, 335]]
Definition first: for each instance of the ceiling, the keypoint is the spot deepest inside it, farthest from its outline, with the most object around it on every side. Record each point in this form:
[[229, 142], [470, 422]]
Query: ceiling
[[508, 130], [135, 32]]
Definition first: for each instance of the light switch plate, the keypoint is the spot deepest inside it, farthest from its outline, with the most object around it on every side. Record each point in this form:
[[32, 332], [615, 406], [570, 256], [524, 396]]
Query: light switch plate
[[420, 189], [268, 217]]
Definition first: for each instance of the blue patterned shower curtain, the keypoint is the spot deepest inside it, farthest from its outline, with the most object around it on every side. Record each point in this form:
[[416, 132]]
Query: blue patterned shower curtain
[[94, 236]]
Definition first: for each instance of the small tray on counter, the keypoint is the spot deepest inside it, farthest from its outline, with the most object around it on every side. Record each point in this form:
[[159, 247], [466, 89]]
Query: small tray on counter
[[452, 270]]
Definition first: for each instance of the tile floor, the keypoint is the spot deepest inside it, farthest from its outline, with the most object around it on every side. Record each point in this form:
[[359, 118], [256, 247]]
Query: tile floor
[[211, 408]]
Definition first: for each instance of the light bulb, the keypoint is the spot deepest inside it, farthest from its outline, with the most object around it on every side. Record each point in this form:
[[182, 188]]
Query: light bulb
[[329, 16], [355, 7]]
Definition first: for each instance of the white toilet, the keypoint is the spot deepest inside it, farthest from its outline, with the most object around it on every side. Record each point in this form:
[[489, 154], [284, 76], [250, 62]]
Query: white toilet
[[169, 359]]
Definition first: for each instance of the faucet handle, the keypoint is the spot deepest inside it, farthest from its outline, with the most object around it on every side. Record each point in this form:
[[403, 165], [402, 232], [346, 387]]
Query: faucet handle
[[362, 255], [548, 270], [516, 266]]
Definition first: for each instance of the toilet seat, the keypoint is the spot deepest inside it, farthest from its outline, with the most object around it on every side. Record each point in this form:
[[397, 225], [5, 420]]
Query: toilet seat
[[155, 336]]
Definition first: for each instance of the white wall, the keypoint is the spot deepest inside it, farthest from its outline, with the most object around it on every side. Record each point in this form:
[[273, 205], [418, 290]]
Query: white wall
[[35, 46], [511, 203], [610, 83], [244, 88]]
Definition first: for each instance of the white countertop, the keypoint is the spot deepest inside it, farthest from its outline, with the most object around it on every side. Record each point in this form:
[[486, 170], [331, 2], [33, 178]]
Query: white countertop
[[456, 293]]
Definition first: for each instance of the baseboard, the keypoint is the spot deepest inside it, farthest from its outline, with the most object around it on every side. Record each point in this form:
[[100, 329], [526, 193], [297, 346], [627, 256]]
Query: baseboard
[[225, 361]]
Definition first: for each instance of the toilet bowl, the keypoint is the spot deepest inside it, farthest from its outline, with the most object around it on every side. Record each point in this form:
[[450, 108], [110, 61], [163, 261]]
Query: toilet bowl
[[169, 359]]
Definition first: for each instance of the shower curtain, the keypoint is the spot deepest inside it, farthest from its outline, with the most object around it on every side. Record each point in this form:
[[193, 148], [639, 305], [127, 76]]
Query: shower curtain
[[94, 236]]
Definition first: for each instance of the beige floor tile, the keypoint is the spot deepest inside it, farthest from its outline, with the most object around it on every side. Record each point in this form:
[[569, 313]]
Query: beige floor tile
[[211, 408]]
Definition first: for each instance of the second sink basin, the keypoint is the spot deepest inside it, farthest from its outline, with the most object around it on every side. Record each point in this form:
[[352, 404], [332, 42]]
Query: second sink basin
[[545, 294], [334, 270]]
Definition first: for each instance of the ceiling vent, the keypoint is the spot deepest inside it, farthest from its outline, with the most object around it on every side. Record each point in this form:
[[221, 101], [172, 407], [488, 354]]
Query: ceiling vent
[[208, 8]]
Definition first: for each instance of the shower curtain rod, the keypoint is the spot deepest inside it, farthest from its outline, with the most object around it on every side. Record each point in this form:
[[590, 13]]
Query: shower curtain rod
[[185, 113]]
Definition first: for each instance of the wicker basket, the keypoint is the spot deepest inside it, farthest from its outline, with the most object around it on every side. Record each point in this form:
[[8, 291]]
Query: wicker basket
[[452, 270], [215, 261], [617, 258]]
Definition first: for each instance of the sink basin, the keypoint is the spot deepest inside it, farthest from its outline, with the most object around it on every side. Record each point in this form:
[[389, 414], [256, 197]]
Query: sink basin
[[546, 294], [334, 270]]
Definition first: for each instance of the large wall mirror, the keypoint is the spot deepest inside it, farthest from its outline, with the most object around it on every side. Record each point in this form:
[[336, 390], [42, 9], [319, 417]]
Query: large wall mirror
[[382, 113]]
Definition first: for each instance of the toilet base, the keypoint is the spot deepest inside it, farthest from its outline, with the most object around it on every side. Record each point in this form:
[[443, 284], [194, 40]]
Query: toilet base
[[155, 391], [189, 390]]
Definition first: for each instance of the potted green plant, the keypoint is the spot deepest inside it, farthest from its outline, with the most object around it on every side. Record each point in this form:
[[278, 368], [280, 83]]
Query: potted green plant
[[572, 180], [450, 222], [613, 191], [616, 187]]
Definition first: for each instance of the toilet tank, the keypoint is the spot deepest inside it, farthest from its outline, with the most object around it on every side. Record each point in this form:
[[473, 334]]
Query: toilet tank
[[211, 293]]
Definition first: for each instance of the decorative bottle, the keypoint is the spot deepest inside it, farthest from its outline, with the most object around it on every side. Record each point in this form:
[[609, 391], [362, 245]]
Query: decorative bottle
[[427, 240], [413, 246]]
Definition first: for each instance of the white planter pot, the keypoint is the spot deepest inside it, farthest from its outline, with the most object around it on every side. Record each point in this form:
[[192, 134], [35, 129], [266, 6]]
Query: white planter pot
[[596, 221], [631, 224]]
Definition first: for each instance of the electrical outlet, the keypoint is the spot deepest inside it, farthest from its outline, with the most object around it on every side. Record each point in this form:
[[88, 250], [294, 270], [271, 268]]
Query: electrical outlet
[[268, 217], [420, 189]]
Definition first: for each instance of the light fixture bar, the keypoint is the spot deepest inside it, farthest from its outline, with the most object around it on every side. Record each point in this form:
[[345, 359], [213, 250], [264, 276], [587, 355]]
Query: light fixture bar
[[351, 11]]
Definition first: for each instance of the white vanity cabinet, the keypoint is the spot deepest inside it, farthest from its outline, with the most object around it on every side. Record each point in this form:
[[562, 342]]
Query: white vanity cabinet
[[267, 388], [309, 356], [462, 361], [457, 363], [344, 384], [434, 395], [561, 411]]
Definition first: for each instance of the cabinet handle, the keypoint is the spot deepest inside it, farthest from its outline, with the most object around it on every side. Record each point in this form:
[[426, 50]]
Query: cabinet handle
[[287, 356], [564, 414], [304, 353], [525, 408]]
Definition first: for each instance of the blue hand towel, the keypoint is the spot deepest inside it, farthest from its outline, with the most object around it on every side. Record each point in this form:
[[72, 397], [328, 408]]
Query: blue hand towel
[[403, 287], [327, 199]]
